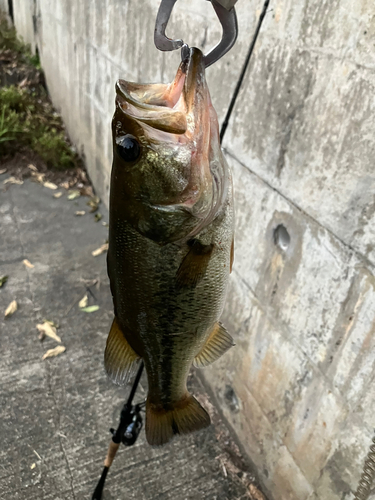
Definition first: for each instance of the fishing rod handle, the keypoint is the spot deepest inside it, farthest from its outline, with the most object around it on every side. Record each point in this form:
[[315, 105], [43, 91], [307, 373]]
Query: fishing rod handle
[[111, 453]]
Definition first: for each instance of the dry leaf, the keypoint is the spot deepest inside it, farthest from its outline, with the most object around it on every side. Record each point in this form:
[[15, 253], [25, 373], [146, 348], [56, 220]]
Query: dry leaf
[[3, 280], [12, 180], [98, 217], [28, 263], [83, 302], [38, 177], [25, 82], [32, 466], [57, 195], [82, 174], [49, 330], [255, 493], [99, 251], [80, 212], [73, 194], [54, 352], [11, 309], [42, 334], [94, 203], [3, 171], [65, 185], [87, 191], [52, 323], [32, 167], [90, 309], [50, 185]]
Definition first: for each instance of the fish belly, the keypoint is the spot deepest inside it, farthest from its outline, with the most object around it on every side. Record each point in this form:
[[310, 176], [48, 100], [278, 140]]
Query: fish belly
[[169, 324]]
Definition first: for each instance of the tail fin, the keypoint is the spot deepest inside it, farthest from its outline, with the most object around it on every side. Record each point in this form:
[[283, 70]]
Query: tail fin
[[184, 417]]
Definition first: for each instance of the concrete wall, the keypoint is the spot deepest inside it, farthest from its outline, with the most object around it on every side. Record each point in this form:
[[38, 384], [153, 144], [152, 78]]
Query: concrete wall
[[4, 6], [298, 388]]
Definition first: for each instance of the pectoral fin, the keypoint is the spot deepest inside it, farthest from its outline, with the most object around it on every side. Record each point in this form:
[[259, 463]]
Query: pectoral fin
[[218, 342], [194, 265], [120, 360]]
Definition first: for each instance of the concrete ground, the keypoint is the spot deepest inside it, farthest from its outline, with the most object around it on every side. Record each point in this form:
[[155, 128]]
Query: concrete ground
[[55, 413]]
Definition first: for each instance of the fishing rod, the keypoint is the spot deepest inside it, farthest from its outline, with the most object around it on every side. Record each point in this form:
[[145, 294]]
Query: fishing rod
[[243, 71], [127, 432]]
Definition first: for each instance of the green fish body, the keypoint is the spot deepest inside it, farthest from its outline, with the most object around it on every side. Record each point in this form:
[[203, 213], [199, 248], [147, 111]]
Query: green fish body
[[170, 243]]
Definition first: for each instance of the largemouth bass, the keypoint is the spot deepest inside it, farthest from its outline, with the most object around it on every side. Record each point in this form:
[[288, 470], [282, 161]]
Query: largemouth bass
[[170, 243]]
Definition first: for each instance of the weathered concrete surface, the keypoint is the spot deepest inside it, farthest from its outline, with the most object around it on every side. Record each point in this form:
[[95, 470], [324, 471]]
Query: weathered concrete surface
[[305, 117], [25, 15], [302, 146], [56, 413], [4, 6], [298, 388]]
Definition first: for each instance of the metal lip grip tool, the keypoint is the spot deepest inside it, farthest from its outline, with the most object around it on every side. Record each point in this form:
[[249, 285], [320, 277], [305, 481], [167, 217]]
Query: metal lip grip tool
[[226, 14]]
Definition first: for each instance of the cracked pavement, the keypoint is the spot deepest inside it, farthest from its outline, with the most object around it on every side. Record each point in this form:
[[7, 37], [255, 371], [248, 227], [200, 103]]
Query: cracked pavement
[[55, 414]]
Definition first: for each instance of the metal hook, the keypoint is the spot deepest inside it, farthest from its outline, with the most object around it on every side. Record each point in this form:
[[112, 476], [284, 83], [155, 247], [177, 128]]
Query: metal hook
[[228, 21]]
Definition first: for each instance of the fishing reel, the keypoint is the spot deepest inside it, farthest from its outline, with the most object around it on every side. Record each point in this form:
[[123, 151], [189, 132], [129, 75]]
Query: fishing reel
[[134, 423], [127, 432]]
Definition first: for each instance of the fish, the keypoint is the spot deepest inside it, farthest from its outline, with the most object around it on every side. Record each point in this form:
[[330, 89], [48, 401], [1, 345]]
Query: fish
[[170, 246]]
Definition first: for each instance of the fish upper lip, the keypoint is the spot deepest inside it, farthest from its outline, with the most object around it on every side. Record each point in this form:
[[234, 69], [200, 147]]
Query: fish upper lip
[[176, 108]]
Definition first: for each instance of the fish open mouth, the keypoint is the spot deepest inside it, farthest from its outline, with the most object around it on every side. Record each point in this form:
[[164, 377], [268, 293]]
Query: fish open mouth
[[180, 107]]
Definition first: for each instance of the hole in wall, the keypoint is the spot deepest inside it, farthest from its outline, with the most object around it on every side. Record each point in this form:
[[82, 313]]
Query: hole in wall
[[231, 399], [281, 237]]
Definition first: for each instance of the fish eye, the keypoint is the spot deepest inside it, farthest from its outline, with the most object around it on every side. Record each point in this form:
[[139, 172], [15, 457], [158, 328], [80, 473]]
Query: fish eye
[[128, 148]]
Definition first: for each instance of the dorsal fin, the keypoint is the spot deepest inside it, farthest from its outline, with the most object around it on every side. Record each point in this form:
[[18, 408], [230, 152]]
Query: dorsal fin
[[120, 360], [218, 342]]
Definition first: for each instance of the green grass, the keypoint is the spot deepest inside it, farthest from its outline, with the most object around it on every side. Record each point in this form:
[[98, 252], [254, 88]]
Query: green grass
[[27, 120], [10, 41], [27, 117]]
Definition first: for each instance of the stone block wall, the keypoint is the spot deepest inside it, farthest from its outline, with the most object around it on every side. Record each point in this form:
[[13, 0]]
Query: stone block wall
[[298, 389]]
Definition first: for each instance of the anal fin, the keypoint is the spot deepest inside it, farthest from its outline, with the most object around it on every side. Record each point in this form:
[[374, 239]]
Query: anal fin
[[194, 264], [218, 343], [120, 360]]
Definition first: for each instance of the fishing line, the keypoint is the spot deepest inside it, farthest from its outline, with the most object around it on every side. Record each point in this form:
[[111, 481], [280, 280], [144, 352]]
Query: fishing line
[[243, 72]]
